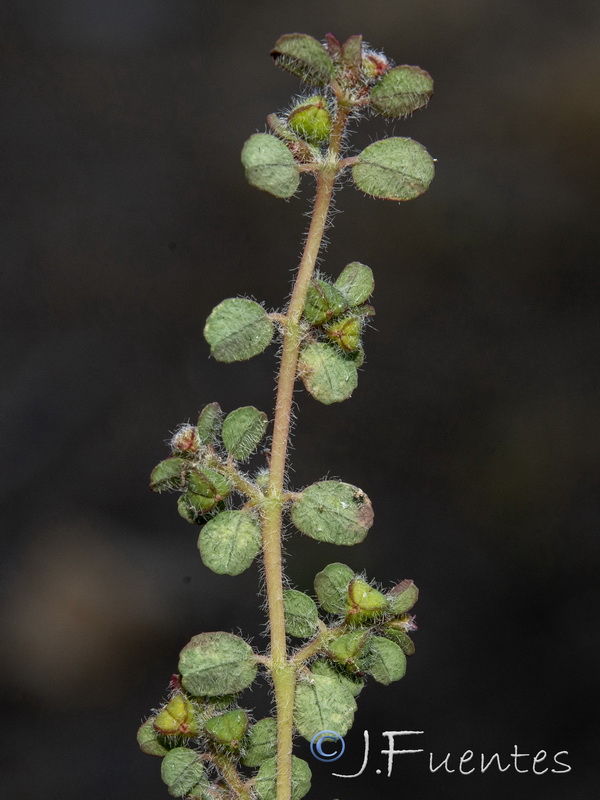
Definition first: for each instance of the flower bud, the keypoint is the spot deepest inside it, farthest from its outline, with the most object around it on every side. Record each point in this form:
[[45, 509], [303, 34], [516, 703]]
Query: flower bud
[[185, 440], [311, 120], [374, 64]]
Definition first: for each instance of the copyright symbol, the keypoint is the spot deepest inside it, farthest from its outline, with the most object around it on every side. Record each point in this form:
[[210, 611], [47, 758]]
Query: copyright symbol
[[322, 737]]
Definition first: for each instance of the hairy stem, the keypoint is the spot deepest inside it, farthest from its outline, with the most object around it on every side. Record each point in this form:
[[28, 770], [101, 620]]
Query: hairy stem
[[284, 671]]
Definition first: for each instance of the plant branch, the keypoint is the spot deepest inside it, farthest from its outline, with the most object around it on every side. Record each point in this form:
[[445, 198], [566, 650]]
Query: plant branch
[[283, 671]]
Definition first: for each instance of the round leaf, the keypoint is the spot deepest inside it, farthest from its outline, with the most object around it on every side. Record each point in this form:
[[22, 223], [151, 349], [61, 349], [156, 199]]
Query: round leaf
[[269, 165], [347, 679], [182, 771], [301, 614], [238, 329], [331, 587], [266, 779], [332, 511], [356, 283], [261, 743], [216, 664], [327, 373], [387, 661], [323, 704], [394, 169], [243, 430], [304, 57], [401, 91], [230, 542]]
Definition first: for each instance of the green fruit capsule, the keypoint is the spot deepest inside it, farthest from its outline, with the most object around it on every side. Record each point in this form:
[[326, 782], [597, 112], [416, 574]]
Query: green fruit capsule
[[177, 718], [346, 332], [228, 729], [311, 120], [365, 602]]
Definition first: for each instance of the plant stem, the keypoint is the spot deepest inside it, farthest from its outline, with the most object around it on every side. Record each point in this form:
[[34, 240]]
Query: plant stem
[[283, 671]]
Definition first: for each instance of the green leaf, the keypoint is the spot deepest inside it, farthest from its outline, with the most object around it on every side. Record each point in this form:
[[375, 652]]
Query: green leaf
[[327, 373], [402, 597], [149, 740], [261, 743], [323, 704], [356, 283], [401, 91], [301, 614], [230, 542], [209, 423], [323, 301], [269, 165], [394, 169], [331, 587], [387, 662], [238, 329], [182, 771], [229, 728], [304, 57], [169, 474], [215, 664], [347, 679], [243, 430], [266, 779], [332, 511]]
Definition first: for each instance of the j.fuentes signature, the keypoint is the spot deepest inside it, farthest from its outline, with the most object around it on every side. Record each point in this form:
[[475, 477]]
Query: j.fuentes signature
[[329, 746]]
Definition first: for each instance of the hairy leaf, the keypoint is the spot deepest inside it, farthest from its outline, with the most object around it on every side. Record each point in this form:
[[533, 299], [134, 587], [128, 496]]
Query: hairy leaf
[[328, 374], [216, 664], [394, 169], [238, 329], [401, 91], [323, 704], [301, 614], [243, 430], [269, 165], [230, 542], [332, 511]]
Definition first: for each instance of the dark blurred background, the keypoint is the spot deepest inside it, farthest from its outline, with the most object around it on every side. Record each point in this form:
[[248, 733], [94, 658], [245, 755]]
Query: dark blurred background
[[474, 429]]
